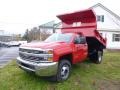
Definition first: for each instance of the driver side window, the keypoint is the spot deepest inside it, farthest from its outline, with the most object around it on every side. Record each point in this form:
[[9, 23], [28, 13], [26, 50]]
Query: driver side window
[[77, 40], [80, 40]]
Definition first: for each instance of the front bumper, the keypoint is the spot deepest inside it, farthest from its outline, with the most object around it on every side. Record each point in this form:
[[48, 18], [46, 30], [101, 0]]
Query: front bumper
[[41, 69]]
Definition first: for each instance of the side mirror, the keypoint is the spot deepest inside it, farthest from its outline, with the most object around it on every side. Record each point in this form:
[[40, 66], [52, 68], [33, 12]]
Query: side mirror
[[82, 40]]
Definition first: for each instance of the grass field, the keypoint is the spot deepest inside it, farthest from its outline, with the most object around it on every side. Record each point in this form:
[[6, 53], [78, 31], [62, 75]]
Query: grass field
[[85, 76]]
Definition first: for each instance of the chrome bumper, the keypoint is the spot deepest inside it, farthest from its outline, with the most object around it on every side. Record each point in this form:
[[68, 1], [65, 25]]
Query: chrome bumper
[[41, 69]]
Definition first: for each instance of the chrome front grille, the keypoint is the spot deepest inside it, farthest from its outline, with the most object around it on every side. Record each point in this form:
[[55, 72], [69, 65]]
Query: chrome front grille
[[31, 51], [31, 58], [31, 55]]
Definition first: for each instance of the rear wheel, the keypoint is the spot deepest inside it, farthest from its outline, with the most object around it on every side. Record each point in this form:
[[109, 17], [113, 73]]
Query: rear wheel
[[63, 72], [97, 57]]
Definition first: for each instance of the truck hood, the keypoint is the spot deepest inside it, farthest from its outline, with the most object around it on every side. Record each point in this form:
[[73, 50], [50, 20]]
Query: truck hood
[[45, 45]]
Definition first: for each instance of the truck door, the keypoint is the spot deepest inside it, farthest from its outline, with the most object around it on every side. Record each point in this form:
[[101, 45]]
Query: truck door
[[80, 49]]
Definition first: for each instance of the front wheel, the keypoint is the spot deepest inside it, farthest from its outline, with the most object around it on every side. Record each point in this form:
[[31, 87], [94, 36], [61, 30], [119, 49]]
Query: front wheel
[[64, 70]]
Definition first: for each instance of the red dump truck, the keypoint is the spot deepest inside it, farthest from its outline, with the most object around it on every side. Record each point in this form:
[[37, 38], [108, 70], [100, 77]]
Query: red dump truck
[[55, 56]]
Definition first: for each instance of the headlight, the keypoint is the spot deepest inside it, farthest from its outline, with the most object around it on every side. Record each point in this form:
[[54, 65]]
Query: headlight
[[48, 52], [48, 58], [50, 55]]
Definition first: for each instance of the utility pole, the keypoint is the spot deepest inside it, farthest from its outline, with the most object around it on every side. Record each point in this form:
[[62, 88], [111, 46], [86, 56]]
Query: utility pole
[[54, 28], [39, 34]]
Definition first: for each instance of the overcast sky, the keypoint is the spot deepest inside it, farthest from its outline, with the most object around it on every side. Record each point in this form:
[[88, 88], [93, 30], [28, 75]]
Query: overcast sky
[[18, 15]]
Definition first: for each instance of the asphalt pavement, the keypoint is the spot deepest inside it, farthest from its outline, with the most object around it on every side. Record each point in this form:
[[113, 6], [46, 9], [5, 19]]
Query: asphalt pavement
[[7, 54]]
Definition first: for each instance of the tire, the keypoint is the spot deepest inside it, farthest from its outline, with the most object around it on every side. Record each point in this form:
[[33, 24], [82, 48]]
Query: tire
[[97, 57], [64, 69]]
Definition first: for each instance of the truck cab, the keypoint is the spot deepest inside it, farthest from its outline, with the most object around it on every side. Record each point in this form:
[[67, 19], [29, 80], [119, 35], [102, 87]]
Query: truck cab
[[56, 55]]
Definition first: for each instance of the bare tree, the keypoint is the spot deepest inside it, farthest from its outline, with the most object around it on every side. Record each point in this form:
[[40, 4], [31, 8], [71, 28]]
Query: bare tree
[[36, 34]]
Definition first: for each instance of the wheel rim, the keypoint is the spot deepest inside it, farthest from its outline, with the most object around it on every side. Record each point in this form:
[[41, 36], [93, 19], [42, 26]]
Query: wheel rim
[[65, 71]]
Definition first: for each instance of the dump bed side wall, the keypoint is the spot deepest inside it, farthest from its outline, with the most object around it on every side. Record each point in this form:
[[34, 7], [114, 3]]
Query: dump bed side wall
[[88, 32]]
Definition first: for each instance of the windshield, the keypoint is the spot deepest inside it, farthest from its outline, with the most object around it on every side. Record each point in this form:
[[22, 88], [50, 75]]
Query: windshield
[[59, 38]]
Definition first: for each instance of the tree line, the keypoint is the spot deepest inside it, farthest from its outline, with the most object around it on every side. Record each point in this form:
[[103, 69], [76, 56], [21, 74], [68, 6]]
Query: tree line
[[36, 34]]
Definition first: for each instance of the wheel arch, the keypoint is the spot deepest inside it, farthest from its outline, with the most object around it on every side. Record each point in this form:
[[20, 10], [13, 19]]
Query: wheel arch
[[68, 57]]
